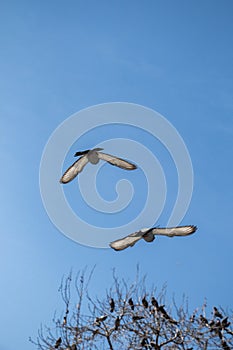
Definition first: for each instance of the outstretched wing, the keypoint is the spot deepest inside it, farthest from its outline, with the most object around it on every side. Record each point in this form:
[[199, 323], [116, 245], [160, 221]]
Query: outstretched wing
[[121, 163], [174, 231], [127, 241], [74, 170]]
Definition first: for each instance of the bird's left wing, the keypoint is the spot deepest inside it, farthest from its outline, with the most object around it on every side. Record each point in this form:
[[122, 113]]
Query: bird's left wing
[[127, 241], [74, 170], [175, 231], [121, 163]]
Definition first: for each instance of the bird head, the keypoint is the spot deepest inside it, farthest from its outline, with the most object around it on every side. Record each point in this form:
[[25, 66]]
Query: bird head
[[81, 153]]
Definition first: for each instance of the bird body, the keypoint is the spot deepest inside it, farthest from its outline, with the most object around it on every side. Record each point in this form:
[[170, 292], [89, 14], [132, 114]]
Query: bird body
[[145, 302], [137, 317], [148, 234], [93, 156], [101, 318], [112, 305], [58, 343], [117, 323], [225, 322], [130, 301], [217, 313], [154, 302]]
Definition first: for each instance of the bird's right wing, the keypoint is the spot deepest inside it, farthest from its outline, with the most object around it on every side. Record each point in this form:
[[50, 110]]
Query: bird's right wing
[[127, 241], [121, 163], [175, 231], [74, 170]]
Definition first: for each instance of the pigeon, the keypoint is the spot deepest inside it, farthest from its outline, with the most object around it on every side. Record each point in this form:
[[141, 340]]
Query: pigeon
[[130, 301], [145, 302], [225, 322], [93, 156], [154, 302], [225, 345], [117, 323], [165, 314], [137, 318], [58, 343], [217, 313], [100, 319], [144, 342], [148, 234], [203, 320], [112, 305]]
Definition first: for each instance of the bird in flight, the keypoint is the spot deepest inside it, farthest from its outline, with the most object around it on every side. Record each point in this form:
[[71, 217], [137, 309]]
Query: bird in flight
[[93, 156], [148, 234]]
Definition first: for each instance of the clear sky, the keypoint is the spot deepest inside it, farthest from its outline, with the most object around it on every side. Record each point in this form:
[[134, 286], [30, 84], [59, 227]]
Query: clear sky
[[59, 57]]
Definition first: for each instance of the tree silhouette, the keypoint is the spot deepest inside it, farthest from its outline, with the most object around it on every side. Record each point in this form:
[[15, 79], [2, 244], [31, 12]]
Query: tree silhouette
[[130, 316]]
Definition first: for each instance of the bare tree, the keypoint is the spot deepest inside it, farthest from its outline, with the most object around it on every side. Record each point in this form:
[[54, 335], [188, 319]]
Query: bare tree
[[130, 316]]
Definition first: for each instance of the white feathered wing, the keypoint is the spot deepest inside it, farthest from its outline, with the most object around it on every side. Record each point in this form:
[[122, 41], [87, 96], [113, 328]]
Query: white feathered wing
[[74, 170], [121, 163]]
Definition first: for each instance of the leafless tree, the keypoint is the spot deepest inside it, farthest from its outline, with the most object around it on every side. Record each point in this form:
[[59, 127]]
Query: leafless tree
[[130, 316]]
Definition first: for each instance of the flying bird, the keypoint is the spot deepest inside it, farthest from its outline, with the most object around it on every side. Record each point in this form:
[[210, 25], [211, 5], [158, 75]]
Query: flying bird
[[148, 234], [93, 156]]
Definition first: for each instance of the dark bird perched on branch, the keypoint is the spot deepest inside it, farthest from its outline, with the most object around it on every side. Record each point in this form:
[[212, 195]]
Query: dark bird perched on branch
[[165, 314], [192, 318], [112, 305], [145, 302], [148, 234], [117, 323], [137, 317], [211, 324], [203, 320], [154, 302], [225, 322], [131, 304], [100, 319], [93, 156], [64, 320], [144, 342], [217, 313], [225, 346], [58, 343]]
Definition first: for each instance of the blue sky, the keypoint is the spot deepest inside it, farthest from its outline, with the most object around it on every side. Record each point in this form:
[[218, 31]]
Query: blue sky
[[58, 58]]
